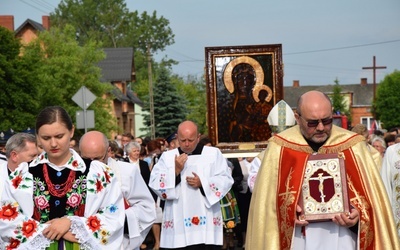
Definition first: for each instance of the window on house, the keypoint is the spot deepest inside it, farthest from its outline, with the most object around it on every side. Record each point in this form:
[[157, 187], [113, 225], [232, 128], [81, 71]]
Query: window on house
[[369, 122]]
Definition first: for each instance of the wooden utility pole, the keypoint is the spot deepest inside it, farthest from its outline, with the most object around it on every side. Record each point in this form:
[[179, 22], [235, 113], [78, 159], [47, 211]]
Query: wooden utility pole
[[374, 68], [152, 120]]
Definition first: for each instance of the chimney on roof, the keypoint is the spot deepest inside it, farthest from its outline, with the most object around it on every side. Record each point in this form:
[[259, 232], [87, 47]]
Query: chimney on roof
[[46, 22], [364, 81], [7, 22], [296, 83]]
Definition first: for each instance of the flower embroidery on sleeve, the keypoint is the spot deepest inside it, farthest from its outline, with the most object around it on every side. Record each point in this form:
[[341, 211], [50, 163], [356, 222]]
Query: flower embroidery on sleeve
[[100, 233], [162, 181], [18, 181], [97, 184], [9, 211], [25, 230], [94, 224], [14, 244], [101, 180], [29, 227], [215, 190]]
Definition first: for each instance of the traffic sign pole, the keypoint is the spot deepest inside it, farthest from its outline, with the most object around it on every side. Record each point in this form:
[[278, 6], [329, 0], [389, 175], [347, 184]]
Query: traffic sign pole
[[84, 98]]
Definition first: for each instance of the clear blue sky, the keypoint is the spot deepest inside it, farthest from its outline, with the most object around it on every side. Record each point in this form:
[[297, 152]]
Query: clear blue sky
[[321, 40]]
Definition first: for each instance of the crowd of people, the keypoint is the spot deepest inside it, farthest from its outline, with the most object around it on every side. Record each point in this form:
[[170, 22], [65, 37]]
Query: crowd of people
[[180, 192]]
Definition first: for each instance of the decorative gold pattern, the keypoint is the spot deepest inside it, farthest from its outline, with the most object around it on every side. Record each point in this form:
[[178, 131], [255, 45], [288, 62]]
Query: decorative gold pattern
[[366, 232], [287, 198], [323, 150]]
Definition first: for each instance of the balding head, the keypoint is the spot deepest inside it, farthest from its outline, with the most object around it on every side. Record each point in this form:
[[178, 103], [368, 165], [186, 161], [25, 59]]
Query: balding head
[[314, 116], [188, 136], [94, 145], [313, 100]]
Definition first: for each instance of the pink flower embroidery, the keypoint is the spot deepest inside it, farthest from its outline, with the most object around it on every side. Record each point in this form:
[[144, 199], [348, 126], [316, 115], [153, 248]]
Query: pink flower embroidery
[[217, 221], [74, 200], [168, 224], [41, 202], [215, 190]]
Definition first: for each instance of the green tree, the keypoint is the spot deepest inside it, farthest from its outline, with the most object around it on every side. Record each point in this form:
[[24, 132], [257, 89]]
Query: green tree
[[194, 90], [93, 20], [65, 67], [18, 96], [169, 105], [111, 23], [104, 21], [148, 33], [338, 102], [339, 106], [385, 107]]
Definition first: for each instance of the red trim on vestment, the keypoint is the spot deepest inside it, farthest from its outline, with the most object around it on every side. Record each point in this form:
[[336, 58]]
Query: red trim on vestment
[[360, 200], [292, 165]]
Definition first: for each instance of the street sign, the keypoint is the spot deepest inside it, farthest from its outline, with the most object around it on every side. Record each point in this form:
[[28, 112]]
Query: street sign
[[84, 121], [84, 97]]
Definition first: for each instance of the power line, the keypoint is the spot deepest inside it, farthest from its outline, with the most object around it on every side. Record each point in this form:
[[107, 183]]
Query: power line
[[191, 59], [35, 7], [340, 48], [319, 67], [44, 4]]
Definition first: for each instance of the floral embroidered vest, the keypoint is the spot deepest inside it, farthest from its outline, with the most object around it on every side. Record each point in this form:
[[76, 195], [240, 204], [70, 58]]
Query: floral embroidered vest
[[52, 203]]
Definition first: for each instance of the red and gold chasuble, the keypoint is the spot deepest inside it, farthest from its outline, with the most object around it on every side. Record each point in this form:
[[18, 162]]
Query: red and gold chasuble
[[278, 185], [290, 181]]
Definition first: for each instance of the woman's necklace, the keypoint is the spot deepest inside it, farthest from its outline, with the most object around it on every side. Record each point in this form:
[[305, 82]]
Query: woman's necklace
[[58, 190]]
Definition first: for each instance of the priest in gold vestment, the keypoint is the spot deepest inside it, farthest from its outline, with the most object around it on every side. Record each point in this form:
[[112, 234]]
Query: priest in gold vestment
[[274, 210]]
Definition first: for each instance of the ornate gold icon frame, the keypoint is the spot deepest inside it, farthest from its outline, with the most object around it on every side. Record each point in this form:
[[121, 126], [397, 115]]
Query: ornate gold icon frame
[[237, 115]]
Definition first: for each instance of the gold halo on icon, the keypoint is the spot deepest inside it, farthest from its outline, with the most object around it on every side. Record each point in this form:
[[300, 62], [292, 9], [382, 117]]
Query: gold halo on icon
[[259, 85]]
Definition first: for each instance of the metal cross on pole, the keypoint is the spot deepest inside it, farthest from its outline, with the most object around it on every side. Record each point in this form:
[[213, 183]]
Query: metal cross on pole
[[374, 68]]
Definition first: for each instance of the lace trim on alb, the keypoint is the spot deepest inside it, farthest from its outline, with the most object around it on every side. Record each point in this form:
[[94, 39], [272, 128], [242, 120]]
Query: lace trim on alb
[[85, 240], [39, 242]]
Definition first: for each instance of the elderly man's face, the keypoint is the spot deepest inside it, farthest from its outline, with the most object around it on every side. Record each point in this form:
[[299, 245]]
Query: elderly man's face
[[188, 140], [28, 153], [315, 120]]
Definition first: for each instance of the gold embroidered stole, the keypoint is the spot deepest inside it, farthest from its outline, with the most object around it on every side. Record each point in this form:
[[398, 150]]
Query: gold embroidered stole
[[292, 165]]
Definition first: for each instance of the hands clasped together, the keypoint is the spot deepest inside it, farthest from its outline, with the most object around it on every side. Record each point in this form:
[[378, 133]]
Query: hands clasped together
[[179, 165], [59, 228]]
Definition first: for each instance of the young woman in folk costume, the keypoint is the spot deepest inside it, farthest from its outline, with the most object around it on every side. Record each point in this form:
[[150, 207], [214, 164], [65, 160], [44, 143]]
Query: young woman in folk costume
[[77, 203]]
